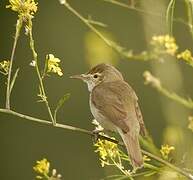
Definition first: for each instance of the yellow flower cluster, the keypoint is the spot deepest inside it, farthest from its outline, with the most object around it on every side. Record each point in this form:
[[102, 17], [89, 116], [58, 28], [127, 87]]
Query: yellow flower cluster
[[190, 126], [106, 150], [165, 150], [4, 65], [186, 55], [42, 167], [25, 8], [53, 65], [165, 43]]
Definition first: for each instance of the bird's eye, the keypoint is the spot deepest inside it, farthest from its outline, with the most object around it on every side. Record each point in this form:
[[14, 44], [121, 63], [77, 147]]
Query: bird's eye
[[95, 76]]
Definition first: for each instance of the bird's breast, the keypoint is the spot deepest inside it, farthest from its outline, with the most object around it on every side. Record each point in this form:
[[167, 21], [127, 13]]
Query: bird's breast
[[104, 122]]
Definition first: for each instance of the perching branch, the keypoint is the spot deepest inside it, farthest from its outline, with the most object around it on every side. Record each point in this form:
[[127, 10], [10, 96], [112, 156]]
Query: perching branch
[[72, 128]]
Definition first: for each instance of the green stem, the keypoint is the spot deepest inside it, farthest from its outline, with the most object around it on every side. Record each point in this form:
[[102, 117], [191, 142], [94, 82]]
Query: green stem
[[17, 32], [155, 83], [124, 172], [111, 44], [177, 98], [86, 22], [84, 131], [170, 16], [3, 73], [189, 7], [124, 5], [177, 169], [32, 46]]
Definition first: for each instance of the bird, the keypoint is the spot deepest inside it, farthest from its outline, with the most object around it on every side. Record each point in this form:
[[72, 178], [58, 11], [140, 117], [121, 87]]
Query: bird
[[114, 104]]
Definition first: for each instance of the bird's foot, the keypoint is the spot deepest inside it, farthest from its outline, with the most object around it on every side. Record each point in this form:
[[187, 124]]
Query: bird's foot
[[96, 134], [100, 133]]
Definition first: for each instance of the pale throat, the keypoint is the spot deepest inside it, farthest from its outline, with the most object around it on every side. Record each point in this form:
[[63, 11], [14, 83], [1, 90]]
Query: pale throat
[[90, 85]]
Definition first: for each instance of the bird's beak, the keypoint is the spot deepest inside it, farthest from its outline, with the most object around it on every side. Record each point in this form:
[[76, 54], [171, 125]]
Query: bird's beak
[[81, 76]]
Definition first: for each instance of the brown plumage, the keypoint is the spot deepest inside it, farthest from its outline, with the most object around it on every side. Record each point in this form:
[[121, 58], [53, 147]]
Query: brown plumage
[[119, 106], [114, 105]]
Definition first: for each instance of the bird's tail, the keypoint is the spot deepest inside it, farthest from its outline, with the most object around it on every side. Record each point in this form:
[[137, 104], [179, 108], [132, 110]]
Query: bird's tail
[[133, 148]]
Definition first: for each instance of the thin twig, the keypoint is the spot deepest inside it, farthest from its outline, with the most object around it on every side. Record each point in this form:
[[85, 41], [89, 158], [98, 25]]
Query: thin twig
[[189, 7], [123, 5], [118, 3], [170, 16], [4, 73], [155, 83], [72, 128], [86, 22], [17, 32], [181, 171], [32, 46], [186, 102], [111, 44]]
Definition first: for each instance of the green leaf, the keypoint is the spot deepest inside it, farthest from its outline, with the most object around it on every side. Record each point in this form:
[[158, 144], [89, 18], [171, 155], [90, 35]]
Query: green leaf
[[60, 103], [13, 80]]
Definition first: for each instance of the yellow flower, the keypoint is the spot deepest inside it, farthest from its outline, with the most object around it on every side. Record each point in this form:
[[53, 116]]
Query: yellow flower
[[185, 55], [106, 150], [165, 150], [190, 126], [4, 65], [25, 8], [42, 167], [165, 43], [53, 65]]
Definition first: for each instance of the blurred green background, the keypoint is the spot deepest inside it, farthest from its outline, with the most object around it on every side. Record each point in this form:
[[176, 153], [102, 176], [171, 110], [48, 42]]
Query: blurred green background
[[58, 31]]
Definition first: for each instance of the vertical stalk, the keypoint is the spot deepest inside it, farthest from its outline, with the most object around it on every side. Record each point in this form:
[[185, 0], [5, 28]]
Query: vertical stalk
[[189, 7], [170, 16], [32, 46], [17, 32]]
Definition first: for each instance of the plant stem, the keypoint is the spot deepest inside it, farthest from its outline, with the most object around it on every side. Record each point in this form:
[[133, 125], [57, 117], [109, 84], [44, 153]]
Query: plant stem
[[155, 83], [17, 32], [120, 50], [124, 5], [186, 102], [170, 16], [137, 9], [189, 7], [32, 46], [122, 170], [86, 22], [177, 169], [4, 73], [84, 131]]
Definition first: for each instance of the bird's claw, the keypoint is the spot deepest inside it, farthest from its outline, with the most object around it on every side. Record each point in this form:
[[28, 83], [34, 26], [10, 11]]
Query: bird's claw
[[96, 134]]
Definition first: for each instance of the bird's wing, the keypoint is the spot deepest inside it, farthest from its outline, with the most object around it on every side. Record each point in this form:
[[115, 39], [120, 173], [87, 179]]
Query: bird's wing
[[115, 100], [143, 130]]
